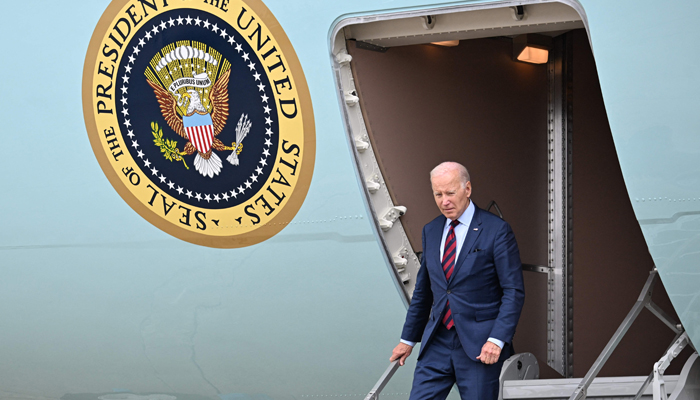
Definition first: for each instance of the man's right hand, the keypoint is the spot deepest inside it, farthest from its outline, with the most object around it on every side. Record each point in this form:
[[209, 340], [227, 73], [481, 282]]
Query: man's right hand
[[401, 352]]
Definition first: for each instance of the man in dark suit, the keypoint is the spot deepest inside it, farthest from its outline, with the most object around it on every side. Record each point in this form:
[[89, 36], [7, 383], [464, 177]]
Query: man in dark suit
[[468, 296]]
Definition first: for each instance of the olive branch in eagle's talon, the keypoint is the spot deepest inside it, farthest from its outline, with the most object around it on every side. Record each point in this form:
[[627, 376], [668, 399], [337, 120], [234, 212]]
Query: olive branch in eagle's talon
[[167, 147]]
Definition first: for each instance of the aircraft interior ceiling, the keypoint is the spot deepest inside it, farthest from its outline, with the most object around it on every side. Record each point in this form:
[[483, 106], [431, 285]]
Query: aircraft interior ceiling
[[423, 104]]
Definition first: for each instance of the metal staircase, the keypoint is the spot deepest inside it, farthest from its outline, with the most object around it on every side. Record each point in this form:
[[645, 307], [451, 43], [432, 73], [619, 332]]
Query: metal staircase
[[520, 373]]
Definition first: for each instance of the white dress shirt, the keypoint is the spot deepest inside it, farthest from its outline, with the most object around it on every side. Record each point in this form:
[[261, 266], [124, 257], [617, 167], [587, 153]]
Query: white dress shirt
[[461, 231]]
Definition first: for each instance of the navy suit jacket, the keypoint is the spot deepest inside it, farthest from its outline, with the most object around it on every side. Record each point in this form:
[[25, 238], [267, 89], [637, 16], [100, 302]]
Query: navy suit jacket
[[486, 290]]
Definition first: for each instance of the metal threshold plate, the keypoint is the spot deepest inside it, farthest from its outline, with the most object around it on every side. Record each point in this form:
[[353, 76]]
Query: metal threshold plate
[[622, 387]]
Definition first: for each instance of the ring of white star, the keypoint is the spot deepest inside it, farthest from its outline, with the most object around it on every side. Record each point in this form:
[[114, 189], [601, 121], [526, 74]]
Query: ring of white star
[[208, 197]]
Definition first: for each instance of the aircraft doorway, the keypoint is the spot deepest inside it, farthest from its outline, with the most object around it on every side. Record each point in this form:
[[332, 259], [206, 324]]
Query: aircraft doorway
[[536, 141]]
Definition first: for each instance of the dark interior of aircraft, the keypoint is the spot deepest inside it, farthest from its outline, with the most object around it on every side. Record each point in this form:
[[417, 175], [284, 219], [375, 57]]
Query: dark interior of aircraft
[[472, 103]]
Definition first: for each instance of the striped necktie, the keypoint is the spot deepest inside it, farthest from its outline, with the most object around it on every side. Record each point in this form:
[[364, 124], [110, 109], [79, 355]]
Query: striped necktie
[[448, 267]]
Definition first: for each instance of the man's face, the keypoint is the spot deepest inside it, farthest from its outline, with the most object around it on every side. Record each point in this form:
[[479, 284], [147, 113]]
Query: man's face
[[451, 198]]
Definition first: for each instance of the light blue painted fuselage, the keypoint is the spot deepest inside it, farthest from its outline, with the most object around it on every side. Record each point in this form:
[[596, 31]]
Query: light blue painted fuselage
[[94, 299]]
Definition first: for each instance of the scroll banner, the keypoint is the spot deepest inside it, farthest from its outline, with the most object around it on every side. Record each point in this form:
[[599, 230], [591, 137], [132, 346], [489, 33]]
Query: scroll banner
[[196, 82]]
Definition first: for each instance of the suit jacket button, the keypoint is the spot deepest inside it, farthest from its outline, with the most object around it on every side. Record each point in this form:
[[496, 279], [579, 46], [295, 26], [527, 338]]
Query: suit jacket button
[[449, 292]]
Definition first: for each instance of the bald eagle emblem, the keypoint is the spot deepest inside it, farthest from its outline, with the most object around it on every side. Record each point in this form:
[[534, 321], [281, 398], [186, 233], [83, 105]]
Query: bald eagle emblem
[[199, 126]]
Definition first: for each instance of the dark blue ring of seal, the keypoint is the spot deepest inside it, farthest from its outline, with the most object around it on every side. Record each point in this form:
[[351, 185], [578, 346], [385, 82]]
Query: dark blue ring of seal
[[245, 96]]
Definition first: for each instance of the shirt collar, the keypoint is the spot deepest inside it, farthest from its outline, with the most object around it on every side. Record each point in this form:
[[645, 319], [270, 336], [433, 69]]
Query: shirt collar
[[466, 217]]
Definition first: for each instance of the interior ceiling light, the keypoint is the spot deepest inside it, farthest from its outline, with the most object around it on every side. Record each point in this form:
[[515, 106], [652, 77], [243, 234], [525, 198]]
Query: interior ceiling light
[[532, 48], [447, 43]]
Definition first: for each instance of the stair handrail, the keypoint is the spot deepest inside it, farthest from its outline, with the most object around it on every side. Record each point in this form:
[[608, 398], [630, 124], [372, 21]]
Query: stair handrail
[[643, 301], [383, 380]]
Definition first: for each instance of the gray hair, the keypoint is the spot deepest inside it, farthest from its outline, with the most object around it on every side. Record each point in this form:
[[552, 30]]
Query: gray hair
[[449, 166]]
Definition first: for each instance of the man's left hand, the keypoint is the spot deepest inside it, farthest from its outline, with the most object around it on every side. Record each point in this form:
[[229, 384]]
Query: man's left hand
[[489, 353]]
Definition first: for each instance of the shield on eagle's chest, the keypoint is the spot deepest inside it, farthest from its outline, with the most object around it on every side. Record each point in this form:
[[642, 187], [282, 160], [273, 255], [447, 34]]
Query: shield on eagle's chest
[[200, 131]]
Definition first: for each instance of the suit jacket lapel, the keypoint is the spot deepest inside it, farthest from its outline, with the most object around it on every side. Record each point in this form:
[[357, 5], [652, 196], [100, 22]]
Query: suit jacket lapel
[[468, 245], [436, 242]]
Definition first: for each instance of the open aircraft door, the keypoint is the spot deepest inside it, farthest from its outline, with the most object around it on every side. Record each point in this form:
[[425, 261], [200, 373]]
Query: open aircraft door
[[422, 87]]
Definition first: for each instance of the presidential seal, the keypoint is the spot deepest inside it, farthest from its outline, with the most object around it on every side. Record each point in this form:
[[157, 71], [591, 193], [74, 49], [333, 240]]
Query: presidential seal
[[200, 117]]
